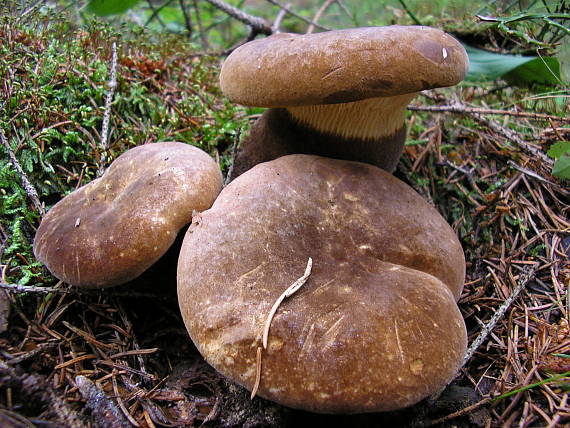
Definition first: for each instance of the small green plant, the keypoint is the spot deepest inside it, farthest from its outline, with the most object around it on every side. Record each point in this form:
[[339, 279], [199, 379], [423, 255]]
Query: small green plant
[[561, 153]]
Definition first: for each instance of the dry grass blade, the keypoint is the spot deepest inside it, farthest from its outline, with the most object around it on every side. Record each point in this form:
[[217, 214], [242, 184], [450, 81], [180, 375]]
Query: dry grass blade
[[292, 289], [287, 293], [257, 373]]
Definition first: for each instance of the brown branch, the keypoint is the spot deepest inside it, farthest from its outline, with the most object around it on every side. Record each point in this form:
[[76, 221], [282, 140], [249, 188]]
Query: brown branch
[[258, 25], [509, 134], [463, 109], [156, 12], [26, 184], [104, 413], [318, 15]]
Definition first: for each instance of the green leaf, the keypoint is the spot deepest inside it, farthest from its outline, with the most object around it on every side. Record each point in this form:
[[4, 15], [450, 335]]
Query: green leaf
[[110, 7], [561, 168], [558, 149], [516, 69], [545, 71]]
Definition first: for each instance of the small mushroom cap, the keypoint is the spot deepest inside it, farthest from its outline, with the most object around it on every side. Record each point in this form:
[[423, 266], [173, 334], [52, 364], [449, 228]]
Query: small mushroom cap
[[111, 230], [342, 66], [376, 326]]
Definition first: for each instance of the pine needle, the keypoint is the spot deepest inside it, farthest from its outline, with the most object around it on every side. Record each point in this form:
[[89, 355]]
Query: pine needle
[[287, 293]]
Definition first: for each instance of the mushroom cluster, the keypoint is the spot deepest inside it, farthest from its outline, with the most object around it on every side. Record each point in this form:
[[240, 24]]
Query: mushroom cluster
[[114, 228], [376, 326]]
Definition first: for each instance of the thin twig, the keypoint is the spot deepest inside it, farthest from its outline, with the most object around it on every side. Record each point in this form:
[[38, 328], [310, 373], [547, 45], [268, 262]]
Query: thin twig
[[107, 114], [29, 189], [203, 37], [29, 10], [463, 109], [509, 134], [459, 413], [42, 347], [318, 15], [187, 17], [345, 9], [257, 24], [524, 278], [531, 174], [279, 19], [513, 136], [156, 12], [16, 288], [296, 15], [410, 13]]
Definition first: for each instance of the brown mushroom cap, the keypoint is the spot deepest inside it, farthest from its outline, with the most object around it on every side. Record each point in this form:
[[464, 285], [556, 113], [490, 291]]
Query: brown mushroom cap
[[342, 66], [111, 230], [375, 327]]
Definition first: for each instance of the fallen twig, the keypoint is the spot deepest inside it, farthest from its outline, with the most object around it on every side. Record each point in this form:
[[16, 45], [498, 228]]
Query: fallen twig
[[524, 279], [16, 288], [104, 413], [28, 187], [459, 413], [509, 134], [514, 137], [463, 109]]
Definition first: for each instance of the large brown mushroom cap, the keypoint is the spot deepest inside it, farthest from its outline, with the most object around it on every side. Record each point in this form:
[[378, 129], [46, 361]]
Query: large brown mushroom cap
[[342, 66], [376, 326], [111, 230]]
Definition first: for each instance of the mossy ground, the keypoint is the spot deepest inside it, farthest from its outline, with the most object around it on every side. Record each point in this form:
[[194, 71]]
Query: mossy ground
[[510, 213]]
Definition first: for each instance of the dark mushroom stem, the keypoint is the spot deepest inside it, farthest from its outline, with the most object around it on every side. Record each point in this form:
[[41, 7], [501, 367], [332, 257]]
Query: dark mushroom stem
[[370, 131]]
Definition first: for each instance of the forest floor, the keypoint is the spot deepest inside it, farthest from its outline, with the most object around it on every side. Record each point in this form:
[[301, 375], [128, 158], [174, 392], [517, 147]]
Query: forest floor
[[122, 356]]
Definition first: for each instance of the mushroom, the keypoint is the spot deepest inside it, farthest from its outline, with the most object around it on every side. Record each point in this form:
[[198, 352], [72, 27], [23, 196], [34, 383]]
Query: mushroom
[[375, 328], [341, 94], [111, 230]]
